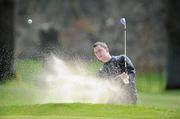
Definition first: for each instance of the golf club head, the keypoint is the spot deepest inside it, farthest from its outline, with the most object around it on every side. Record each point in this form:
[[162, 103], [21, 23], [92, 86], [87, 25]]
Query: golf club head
[[123, 21]]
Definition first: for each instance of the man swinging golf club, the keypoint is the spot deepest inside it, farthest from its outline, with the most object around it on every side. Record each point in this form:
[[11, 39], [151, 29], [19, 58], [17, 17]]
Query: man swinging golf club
[[118, 68]]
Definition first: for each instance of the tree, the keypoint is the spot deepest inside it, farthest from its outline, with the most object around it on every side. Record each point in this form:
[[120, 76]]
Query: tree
[[173, 27], [6, 38], [49, 40]]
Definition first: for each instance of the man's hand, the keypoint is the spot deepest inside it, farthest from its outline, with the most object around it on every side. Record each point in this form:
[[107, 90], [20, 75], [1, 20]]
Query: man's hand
[[124, 76]]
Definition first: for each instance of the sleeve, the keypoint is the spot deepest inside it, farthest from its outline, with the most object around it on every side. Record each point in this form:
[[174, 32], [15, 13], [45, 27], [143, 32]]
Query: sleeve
[[129, 66]]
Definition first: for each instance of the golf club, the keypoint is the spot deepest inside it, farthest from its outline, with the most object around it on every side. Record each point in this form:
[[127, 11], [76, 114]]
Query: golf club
[[123, 21]]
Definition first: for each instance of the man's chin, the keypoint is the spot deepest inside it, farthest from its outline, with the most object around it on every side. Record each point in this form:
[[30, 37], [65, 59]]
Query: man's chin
[[104, 61], [101, 60]]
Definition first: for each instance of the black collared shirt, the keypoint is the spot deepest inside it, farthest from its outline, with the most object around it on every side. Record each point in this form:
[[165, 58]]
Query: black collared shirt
[[116, 66]]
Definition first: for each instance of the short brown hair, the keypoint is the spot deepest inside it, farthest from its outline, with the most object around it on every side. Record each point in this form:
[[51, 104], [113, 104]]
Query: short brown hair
[[102, 44]]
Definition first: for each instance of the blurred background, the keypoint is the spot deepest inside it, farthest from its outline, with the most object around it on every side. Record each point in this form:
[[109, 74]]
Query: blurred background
[[69, 28]]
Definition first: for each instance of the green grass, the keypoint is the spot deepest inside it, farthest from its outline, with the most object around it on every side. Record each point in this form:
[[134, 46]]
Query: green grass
[[90, 111], [151, 82], [17, 93], [167, 99], [27, 69]]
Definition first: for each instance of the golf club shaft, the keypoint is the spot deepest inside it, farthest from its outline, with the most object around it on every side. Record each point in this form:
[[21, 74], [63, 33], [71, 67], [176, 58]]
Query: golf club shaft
[[125, 45], [123, 21]]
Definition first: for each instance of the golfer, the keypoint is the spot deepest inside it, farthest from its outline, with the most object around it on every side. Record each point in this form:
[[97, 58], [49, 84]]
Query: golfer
[[114, 69]]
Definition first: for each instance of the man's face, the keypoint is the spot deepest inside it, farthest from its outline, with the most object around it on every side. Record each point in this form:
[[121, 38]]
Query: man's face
[[101, 53]]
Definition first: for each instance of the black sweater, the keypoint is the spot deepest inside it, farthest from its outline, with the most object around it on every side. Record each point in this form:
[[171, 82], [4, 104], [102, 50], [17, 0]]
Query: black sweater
[[116, 66]]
